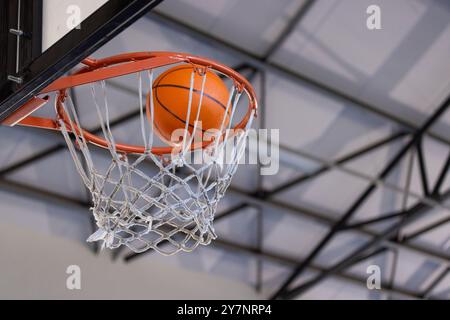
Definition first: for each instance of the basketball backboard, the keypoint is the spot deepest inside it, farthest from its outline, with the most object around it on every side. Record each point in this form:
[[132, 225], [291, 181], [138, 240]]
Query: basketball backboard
[[45, 39]]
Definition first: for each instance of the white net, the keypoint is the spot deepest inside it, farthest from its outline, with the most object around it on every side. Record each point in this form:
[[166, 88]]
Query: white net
[[149, 201]]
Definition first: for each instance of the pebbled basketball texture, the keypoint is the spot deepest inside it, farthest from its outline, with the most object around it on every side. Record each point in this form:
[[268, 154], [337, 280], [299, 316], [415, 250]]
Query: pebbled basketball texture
[[171, 99]]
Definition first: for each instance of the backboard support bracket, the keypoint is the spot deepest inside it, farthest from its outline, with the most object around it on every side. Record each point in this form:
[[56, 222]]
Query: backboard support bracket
[[96, 30], [28, 108]]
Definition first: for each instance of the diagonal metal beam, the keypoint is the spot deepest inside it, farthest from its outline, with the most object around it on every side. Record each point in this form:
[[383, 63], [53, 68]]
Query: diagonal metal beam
[[296, 210], [327, 164], [369, 178], [324, 219], [47, 196], [353, 155], [426, 293], [27, 191], [19, 189], [442, 175], [278, 258], [426, 229], [286, 32], [422, 168], [324, 163], [374, 220], [349, 259], [356, 205], [36, 157]]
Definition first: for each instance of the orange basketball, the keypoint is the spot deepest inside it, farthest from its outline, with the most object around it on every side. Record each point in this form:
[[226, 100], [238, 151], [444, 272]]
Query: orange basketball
[[171, 100]]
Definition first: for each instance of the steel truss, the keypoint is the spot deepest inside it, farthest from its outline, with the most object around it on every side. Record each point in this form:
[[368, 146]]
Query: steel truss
[[416, 141], [38, 194]]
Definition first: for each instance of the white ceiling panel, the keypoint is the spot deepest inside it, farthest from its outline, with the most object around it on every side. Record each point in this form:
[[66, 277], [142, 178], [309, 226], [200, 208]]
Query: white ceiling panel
[[252, 24], [318, 123], [325, 193], [291, 235], [387, 69]]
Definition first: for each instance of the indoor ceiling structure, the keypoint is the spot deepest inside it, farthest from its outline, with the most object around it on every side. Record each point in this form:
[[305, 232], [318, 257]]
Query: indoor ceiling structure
[[364, 157]]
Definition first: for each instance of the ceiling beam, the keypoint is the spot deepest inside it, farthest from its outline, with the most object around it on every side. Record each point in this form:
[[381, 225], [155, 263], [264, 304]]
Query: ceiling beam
[[319, 217], [256, 200], [26, 191], [286, 32], [348, 260], [283, 290], [50, 197], [275, 257], [341, 161]]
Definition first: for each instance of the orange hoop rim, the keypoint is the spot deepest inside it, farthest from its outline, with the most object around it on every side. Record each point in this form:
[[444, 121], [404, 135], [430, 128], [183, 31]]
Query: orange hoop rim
[[122, 64]]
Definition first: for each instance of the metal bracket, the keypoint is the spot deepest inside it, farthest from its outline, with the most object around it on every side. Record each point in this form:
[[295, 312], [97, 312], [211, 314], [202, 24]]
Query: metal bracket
[[15, 79], [16, 32], [20, 33]]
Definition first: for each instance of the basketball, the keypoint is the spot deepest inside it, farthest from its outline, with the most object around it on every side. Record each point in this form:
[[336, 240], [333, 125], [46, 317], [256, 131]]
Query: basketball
[[171, 100]]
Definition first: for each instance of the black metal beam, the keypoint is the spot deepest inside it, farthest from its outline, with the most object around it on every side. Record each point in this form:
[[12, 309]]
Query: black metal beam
[[97, 29], [19, 189], [412, 213], [277, 258], [298, 211], [426, 229], [442, 175], [259, 225], [282, 291], [422, 168], [382, 218], [394, 266], [286, 32], [388, 216], [426, 293], [46, 196], [351, 156], [41, 195], [322, 218], [135, 113], [326, 220], [36, 157]]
